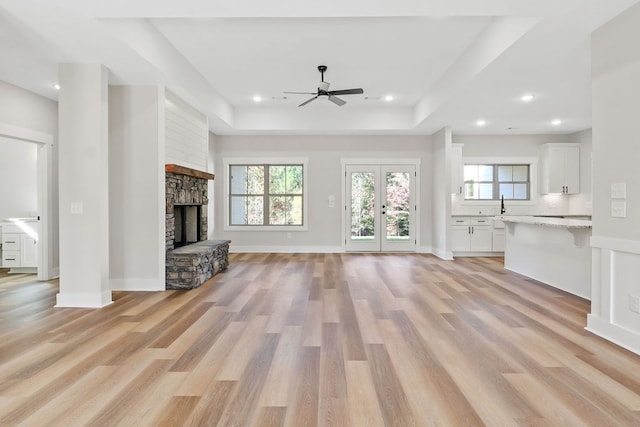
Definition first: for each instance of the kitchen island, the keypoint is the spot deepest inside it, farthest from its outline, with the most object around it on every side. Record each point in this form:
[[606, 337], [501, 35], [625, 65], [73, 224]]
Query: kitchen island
[[555, 251]]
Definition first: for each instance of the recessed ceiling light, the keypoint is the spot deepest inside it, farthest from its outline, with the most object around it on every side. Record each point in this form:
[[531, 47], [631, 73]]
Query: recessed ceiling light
[[388, 98], [526, 98], [481, 123], [556, 122], [56, 86], [257, 98]]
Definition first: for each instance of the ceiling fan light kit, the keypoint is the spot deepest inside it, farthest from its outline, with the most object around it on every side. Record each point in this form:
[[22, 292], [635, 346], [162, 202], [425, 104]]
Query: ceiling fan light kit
[[323, 90]]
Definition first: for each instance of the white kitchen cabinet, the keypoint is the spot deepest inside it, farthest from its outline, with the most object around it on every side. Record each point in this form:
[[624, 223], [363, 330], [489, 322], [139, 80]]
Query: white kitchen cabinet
[[28, 251], [19, 247], [460, 234], [498, 236], [457, 169], [470, 234], [560, 168]]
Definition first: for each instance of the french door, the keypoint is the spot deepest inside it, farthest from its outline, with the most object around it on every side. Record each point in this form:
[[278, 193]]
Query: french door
[[380, 208]]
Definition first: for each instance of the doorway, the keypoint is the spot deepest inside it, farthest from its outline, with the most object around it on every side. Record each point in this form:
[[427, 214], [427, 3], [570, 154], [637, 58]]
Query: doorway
[[380, 207], [44, 143]]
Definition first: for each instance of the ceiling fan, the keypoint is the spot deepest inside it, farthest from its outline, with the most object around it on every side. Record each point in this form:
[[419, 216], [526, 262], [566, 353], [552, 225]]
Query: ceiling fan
[[323, 90]]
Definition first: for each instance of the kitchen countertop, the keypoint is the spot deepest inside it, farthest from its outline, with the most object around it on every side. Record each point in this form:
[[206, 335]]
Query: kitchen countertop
[[546, 221]]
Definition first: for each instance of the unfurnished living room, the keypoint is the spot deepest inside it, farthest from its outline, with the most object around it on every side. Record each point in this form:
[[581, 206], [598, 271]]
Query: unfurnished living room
[[319, 213]]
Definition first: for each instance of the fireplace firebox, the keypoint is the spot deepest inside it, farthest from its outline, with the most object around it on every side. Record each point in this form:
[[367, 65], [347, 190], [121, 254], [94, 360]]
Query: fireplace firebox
[[187, 224]]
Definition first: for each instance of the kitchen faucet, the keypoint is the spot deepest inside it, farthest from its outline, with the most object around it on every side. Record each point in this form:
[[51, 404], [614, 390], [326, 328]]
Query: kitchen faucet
[[502, 209]]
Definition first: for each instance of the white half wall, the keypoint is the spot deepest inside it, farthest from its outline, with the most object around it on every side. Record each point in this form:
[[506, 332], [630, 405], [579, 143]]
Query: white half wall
[[136, 188], [616, 132]]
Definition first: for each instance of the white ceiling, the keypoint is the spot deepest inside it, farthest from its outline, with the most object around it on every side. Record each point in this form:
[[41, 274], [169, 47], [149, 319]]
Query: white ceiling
[[446, 62]]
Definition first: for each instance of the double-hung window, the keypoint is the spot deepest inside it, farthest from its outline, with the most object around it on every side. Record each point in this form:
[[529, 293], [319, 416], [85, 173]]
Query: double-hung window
[[495, 181], [266, 194]]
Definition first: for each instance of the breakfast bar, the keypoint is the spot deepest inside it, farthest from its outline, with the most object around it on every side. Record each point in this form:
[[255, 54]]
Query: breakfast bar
[[555, 251]]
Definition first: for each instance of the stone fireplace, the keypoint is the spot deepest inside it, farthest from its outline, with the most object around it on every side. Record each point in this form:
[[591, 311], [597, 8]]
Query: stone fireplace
[[186, 194], [191, 259]]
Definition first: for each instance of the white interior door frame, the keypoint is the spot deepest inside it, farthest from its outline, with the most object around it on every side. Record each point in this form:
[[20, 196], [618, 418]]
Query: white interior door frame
[[45, 146], [381, 162]]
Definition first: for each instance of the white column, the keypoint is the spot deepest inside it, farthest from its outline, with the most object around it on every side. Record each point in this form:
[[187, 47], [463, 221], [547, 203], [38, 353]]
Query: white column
[[83, 186]]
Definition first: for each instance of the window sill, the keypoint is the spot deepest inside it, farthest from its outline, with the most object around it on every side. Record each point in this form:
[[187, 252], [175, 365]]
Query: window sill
[[252, 228]]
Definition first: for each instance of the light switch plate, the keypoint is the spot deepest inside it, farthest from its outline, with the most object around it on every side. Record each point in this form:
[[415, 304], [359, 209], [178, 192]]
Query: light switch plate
[[619, 190], [76, 208], [618, 209]]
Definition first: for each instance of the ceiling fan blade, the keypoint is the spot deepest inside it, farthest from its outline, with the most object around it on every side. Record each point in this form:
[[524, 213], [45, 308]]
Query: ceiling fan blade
[[339, 102], [302, 93], [308, 101], [347, 92]]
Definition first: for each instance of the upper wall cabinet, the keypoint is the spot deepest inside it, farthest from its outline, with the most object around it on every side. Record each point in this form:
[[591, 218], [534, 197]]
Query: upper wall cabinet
[[457, 170], [560, 168]]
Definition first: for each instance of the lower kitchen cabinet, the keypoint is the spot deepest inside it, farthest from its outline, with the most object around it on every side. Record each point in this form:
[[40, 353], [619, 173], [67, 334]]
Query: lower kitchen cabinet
[[498, 237], [471, 234], [18, 248]]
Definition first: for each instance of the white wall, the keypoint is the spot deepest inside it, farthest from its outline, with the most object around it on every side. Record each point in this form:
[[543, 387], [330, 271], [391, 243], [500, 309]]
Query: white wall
[[441, 197], [186, 134], [324, 179], [616, 151], [583, 202], [136, 188], [84, 186], [211, 168], [18, 171], [26, 110], [526, 146]]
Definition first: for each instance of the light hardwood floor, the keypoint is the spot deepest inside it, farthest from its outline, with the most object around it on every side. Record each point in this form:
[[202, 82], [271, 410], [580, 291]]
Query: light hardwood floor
[[316, 339]]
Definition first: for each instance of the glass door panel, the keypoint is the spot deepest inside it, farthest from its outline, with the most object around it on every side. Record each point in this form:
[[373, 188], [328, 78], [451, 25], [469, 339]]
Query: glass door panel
[[362, 213], [399, 208]]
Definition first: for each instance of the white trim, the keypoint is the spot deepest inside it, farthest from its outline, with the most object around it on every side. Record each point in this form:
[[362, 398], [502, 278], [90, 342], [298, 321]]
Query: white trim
[[284, 249], [304, 161], [84, 299], [616, 334], [25, 134], [477, 254], [444, 255], [620, 245], [533, 179], [137, 285], [375, 161], [161, 188], [44, 182]]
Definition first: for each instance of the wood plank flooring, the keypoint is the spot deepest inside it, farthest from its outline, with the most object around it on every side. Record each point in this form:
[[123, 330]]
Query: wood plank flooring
[[316, 339]]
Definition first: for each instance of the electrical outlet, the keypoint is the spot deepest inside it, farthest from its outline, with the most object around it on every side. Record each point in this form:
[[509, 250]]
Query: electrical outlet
[[634, 303]]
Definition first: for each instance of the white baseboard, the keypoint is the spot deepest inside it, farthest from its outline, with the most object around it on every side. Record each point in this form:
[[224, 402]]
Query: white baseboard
[[83, 299], [445, 255], [614, 333], [286, 249], [137, 284]]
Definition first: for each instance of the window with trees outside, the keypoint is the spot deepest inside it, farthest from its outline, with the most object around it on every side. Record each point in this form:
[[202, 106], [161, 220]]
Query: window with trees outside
[[493, 182], [266, 195]]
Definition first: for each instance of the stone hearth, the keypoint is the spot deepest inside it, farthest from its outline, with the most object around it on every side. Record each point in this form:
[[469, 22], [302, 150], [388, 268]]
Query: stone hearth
[[190, 266]]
